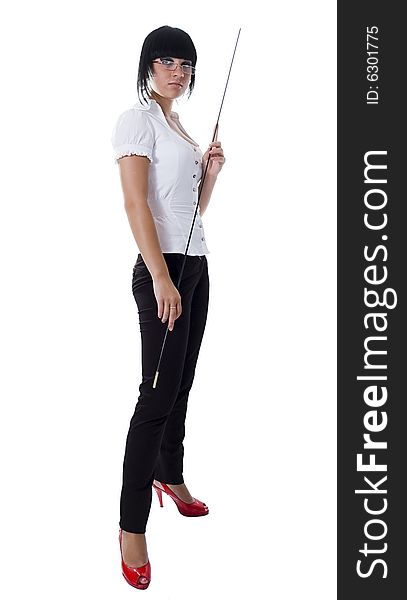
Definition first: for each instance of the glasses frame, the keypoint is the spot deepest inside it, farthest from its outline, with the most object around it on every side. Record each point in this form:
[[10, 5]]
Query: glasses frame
[[167, 67]]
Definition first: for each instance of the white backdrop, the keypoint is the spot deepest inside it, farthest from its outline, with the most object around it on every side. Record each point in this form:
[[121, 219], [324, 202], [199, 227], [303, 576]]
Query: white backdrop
[[260, 446]]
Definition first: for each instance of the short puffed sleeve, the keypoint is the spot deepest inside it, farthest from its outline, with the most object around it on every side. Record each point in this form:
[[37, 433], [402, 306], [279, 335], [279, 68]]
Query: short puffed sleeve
[[133, 134]]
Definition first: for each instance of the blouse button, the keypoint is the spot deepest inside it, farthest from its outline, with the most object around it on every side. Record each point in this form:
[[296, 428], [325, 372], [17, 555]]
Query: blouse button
[[200, 225], [196, 162], [194, 189], [193, 175], [203, 239], [194, 202]]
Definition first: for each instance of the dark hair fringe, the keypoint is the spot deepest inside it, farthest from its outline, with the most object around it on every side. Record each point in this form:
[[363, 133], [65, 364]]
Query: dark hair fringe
[[164, 41]]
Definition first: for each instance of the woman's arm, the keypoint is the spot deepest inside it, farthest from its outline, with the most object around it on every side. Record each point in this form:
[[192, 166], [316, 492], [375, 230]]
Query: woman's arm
[[206, 193], [134, 180], [216, 161]]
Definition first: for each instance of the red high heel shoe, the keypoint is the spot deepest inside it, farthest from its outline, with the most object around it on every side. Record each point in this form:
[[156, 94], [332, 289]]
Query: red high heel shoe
[[188, 509], [133, 574]]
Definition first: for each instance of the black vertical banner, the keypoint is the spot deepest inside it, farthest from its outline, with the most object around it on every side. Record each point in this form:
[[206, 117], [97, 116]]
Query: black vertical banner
[[372, 271]]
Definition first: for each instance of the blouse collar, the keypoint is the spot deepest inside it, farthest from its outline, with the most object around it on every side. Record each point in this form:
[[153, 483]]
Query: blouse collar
[[155, 109]]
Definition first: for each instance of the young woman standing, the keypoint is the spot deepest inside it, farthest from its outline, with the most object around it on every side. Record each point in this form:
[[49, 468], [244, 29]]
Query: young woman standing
[[160, 170]]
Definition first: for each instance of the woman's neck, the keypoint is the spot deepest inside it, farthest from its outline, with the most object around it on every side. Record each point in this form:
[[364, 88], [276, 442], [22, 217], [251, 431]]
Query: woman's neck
[[165, 103]]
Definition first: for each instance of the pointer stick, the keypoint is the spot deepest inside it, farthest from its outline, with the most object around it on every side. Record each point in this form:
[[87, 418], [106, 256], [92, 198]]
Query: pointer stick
[[215, 133]]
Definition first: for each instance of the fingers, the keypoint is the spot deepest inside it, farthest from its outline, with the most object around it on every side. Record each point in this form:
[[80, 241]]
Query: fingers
[[216, 151], [174, 313], [160, 307], [170, 310], [168, 298]]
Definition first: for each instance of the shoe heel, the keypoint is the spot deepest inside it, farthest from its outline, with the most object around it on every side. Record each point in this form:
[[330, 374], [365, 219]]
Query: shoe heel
[[160, 495]]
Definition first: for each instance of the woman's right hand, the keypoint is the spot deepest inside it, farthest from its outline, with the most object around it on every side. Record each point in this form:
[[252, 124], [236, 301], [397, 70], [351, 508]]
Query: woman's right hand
[[167, 295]]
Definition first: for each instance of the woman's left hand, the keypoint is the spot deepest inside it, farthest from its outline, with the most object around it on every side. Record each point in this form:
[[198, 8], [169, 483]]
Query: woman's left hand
[[216, 159]]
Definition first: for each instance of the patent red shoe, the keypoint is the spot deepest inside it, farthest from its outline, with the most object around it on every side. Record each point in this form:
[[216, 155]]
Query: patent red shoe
[[188, 509], [133, 575]]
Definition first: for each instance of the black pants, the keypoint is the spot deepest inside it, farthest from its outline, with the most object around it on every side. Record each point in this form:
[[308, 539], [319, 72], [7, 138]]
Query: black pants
[[154, 448]]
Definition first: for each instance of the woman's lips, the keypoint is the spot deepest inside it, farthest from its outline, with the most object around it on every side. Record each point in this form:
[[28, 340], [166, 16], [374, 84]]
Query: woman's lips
[[178, 84]]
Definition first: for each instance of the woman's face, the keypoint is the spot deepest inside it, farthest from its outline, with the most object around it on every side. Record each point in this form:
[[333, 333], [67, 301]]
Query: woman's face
[[170, 84]]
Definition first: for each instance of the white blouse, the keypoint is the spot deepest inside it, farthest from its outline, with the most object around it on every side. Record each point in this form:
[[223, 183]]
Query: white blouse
[[174, 174]]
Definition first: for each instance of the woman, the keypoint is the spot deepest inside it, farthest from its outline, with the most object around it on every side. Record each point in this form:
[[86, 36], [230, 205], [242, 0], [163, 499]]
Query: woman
[[160, 170]]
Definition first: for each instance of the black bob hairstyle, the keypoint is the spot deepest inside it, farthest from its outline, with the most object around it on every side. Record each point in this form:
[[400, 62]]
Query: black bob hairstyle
[[164, 41]]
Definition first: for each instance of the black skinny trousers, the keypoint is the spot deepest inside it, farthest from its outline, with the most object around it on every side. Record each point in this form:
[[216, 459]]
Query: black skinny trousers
[[154, 448]]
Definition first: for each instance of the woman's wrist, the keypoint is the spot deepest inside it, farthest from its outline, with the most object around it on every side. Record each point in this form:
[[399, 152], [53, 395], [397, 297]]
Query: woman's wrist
[[209, 177]]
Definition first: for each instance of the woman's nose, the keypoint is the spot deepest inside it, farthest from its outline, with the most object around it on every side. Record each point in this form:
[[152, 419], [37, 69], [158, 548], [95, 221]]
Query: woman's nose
[[180, 66]]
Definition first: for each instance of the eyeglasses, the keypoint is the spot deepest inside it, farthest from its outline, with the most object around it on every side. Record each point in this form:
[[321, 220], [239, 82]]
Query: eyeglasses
[[171, 65]]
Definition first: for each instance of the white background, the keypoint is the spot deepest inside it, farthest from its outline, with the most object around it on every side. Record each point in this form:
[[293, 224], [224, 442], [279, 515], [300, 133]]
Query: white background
[[260, 446]]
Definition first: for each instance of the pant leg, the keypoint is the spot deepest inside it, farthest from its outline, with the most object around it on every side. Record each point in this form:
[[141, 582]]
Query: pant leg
[[154, 405], [169, 467]]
